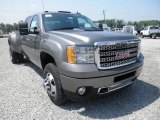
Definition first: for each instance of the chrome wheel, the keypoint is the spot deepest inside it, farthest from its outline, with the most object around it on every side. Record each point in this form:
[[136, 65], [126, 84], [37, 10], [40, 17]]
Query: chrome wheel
[[49, 84]]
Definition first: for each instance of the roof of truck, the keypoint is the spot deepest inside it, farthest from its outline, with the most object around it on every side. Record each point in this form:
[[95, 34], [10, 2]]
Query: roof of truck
[[64, 12]]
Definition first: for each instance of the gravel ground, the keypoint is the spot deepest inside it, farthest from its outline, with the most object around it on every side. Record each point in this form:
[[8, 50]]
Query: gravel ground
[[23, 97]]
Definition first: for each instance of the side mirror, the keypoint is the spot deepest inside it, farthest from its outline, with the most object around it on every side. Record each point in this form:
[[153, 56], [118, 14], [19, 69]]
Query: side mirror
[[23, 28], [100, 26], [34, 30]]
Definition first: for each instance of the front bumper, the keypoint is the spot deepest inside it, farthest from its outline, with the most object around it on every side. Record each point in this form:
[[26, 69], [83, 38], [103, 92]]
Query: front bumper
[[94, 79], [72, 84]]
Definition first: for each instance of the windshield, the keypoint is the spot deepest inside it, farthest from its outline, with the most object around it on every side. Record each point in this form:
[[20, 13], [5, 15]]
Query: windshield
[[63, 21], [146, 28]]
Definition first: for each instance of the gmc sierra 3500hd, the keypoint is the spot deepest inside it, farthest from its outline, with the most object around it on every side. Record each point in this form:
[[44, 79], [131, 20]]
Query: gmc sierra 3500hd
[[79, 60]]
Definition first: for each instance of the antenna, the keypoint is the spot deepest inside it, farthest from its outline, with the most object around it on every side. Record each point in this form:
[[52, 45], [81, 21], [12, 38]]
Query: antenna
[[43, 5]]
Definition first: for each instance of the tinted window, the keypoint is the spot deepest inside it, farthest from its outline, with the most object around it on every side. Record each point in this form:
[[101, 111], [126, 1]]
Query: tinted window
[[66, 21], [151, 28], [35, 22], [156, 28]]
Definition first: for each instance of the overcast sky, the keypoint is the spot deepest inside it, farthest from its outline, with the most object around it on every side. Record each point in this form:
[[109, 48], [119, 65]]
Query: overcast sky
[[15, 10]]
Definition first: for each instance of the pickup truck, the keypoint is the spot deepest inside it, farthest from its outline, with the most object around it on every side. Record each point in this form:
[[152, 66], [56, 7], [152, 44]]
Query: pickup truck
[[129, 29], [151, 32], [79, 60]]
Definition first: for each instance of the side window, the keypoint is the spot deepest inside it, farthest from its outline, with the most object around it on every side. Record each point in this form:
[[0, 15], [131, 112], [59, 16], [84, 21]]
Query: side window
[[155, 27], [151, 28], [28, 20], [35, 22]]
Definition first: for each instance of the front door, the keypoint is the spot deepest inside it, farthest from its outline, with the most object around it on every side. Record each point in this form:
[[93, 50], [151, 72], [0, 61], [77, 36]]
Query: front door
[[31, 39]]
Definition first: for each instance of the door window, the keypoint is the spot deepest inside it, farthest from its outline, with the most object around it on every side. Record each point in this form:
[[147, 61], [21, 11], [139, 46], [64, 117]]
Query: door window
[[35, 23]]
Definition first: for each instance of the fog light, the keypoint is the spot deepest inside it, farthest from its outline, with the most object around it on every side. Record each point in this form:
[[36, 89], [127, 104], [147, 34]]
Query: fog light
[[81, 90]]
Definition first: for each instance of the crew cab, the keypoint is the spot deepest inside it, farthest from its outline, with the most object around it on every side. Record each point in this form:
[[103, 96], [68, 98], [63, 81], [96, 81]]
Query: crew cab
[[79, 60], [151, 32]]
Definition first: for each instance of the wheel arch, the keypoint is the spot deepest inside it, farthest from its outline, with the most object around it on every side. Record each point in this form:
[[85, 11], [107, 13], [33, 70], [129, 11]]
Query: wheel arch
[[46, 58]]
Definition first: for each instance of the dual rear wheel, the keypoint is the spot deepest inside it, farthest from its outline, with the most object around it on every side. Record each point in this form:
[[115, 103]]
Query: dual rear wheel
[[16, 57]]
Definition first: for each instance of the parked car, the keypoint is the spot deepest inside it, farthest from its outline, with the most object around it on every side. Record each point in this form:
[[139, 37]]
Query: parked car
[[79, 60], [150, 31], [129, 29], [1, 34]]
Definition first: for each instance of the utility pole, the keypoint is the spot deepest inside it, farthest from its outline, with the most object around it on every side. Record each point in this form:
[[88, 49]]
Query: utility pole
[[104, 14], [43, 5]]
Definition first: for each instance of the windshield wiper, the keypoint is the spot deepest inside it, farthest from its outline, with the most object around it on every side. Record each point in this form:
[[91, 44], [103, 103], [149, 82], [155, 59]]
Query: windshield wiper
[[67, 28], [93, 29]]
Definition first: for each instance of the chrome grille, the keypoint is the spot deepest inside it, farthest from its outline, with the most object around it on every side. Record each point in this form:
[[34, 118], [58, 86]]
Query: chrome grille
[[106, 53]]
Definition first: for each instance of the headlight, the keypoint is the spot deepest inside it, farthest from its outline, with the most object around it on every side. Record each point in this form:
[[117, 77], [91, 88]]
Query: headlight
[[139, 49], [78, 54]]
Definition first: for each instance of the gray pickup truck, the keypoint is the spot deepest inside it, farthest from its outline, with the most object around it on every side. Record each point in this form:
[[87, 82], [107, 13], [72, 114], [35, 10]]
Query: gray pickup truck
[[79, 60]]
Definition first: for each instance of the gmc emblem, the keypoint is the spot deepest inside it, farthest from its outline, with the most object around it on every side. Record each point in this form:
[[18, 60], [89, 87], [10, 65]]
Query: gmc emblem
[[122, 55]]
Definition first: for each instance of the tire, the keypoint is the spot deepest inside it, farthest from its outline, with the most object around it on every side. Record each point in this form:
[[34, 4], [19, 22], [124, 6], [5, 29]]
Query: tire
[[16, 58], [150, 36], [154, 36], [141, 35], [58, 98]]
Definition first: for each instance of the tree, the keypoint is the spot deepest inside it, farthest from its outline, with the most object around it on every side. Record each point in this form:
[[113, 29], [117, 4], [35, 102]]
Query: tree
[[120, 23], [2, 27], [15, 26], [129, 23], [114, 23], [9, 28]]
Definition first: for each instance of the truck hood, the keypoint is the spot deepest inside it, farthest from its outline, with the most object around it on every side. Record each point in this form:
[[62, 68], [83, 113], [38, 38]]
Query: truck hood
[[82, 37]]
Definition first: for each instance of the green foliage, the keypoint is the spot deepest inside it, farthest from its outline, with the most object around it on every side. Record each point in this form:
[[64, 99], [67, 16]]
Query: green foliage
[[116, 23], [6, 28]]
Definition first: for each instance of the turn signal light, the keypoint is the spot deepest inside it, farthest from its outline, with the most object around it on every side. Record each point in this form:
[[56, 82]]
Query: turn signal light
[[71, 54]]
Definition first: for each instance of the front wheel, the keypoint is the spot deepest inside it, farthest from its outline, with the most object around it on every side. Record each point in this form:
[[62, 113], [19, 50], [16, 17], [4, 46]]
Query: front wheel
[[53, 85], [154, 36], [141, 35]]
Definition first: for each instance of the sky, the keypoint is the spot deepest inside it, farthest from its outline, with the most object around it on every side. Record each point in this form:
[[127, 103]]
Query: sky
[[12, 11]]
